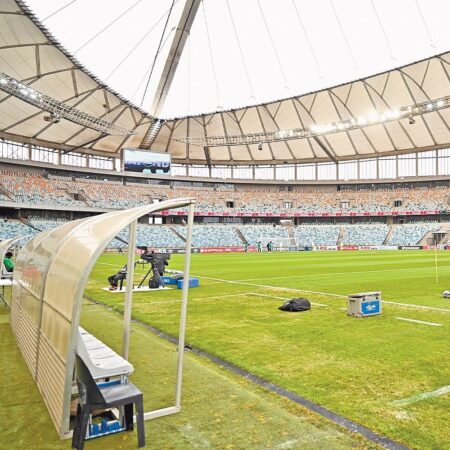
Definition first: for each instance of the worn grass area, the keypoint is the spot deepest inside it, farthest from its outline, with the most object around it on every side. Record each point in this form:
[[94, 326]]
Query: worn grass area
[[356, 367], [219, 411]]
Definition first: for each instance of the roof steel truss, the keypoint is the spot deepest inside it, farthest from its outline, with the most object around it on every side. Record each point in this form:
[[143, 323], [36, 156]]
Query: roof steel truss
[[374, 118], [58, 110]]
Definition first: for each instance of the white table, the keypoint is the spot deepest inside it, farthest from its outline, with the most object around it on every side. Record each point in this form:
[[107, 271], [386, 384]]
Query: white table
[[5, 282]]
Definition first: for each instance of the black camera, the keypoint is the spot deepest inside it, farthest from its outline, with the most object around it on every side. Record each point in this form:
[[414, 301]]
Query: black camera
[[157, 260]]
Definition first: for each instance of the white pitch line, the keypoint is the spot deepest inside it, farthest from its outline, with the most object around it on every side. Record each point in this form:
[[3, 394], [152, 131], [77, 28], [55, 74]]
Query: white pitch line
[[218, 297], [223, 296], [109, 264], [337, 273], [195, 437], [265, 286], [424, 396], [433, 324], [220, 280], [162, 303], [410, 305], [286, 445], [283, 298]]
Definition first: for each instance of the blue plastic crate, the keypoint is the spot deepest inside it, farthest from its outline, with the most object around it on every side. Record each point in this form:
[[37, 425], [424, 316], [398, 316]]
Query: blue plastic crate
[[193, 282], [169, 280]]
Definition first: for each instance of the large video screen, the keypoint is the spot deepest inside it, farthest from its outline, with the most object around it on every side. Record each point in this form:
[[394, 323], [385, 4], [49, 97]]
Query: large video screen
[[145, 161]]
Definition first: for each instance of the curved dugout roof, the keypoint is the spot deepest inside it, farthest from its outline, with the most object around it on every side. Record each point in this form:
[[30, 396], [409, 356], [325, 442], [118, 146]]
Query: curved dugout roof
[[50, 276], [30, 54], [4, 246]]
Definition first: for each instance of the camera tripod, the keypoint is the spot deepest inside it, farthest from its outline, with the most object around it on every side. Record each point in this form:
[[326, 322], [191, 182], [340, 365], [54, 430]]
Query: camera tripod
[[156, 275]]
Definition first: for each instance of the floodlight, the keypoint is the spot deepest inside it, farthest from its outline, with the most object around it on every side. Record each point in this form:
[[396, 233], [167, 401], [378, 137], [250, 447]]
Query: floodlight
[[374, 117], [361, 121], [58, 110], [393, 114], [52, 118]]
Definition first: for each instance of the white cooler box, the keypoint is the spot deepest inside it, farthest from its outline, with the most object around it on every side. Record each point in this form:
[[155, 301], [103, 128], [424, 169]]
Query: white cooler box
[[364, 304]]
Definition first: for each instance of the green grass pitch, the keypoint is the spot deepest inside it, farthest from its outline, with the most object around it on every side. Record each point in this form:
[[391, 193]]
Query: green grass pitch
[[371, 370]]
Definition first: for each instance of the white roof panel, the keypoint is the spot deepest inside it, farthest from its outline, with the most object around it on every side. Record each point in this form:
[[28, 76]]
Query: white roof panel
[[29, 53]]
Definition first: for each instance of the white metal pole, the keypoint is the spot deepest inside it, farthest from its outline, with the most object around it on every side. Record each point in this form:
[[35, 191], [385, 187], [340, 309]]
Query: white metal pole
[[129, 288], [184, 302], [436, 262]]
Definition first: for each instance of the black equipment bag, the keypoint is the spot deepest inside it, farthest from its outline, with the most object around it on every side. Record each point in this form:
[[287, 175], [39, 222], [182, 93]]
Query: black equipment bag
[[296, 305], [155, 281]]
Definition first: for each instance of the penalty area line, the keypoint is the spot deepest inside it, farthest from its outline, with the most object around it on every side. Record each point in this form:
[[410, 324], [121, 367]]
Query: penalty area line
[[433, 324], [424, 396], [410, 305]]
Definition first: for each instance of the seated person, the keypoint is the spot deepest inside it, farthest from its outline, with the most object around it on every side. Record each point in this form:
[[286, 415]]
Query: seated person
[[9, 265], [114, 279]]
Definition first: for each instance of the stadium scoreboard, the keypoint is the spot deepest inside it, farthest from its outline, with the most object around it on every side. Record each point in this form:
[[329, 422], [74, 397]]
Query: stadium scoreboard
[[137, 160]]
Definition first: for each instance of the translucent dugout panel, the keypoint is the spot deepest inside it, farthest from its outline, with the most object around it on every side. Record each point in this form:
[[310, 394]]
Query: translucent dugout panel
[[51, 274]]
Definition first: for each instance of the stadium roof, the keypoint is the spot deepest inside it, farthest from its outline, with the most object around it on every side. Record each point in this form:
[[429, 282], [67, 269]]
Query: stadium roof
[[30, 54], [387, 93], [398, 111]]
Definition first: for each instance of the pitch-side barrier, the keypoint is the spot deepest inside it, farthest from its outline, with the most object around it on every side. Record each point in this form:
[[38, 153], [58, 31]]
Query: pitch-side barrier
[[316, 248]]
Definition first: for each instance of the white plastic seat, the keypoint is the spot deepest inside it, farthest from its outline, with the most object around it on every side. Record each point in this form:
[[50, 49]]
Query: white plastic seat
[[102, 361]]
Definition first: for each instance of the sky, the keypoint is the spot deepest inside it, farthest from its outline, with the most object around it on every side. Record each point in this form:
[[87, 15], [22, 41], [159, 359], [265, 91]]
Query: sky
[[243, 52]]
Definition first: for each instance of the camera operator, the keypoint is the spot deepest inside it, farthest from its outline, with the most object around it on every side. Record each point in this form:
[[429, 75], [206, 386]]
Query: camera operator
[[114, 279]]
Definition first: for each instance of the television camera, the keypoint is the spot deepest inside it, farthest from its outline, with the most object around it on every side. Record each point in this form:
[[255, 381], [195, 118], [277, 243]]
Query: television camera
[[158, 262]]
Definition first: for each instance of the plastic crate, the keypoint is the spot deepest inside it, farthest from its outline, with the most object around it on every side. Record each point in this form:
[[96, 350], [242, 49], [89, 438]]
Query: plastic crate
[[169, 280], [193, 282]]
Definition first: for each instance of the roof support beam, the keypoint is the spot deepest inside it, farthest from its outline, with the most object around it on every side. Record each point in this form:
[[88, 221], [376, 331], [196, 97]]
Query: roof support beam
[[90, 142], [325, 149], [173, 58], [38, 61]]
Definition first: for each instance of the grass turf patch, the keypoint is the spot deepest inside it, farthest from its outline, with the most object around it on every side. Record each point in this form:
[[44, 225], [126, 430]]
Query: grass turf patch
[[356, 367], [219, 411]]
